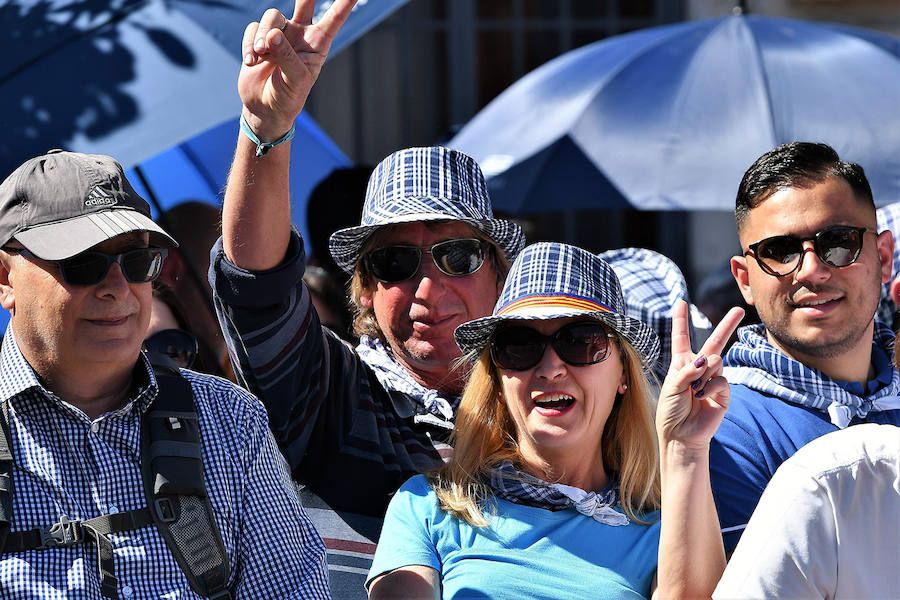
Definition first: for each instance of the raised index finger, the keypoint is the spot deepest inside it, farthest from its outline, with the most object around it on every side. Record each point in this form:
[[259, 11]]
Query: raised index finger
[[720, 335]]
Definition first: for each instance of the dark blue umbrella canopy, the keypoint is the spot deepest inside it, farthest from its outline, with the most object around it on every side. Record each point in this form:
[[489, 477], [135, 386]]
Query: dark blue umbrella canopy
[[670, 117], [150, 82], [128, 78]]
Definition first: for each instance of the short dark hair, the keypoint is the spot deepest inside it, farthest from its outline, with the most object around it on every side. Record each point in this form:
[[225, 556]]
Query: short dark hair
[[796, 164]]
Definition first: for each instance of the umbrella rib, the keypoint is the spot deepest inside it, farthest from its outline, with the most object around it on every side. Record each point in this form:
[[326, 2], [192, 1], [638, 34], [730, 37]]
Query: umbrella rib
[[28, 64], [765, 78]]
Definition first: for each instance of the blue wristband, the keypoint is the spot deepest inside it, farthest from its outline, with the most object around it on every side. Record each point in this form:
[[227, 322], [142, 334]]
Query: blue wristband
[[263, 147]]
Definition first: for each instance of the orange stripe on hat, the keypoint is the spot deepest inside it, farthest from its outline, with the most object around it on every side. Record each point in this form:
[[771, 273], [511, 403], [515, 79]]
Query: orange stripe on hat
[[560, 301]]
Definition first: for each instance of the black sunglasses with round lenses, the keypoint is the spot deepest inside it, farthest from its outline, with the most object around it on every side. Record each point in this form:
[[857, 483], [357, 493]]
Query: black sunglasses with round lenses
[[141, 265], [393, 264], [179, 345], [518, 348], [836, 246]]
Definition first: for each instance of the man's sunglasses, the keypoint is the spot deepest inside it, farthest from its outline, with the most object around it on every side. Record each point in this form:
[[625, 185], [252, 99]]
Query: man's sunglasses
[[141, 265], [393, 264], [836, 246], [178, 344], [520, 348]]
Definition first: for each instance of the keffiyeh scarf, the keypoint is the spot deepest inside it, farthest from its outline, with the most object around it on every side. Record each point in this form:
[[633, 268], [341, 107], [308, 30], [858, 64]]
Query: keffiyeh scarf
[[431, 407], [754, 362], [510, 484]]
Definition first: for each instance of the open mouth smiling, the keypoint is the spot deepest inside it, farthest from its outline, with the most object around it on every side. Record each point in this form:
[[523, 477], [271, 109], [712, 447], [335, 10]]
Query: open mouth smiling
[[554, 401]]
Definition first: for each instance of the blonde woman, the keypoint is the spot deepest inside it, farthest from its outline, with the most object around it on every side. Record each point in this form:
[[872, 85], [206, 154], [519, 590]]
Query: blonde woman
[[553, 490]]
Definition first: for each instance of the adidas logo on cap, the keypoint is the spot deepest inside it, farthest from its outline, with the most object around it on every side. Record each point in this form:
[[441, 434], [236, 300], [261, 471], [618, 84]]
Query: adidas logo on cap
[[98, 197]]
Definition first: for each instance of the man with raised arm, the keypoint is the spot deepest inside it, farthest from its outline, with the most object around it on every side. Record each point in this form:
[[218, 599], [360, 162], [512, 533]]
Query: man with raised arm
[[428, 255], [813, 266]]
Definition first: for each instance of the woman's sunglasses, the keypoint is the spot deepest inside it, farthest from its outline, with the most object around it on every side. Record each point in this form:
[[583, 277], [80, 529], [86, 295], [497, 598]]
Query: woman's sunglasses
[[393, 264], [141, 265], [178, 344], [520, 348], [837, 246]]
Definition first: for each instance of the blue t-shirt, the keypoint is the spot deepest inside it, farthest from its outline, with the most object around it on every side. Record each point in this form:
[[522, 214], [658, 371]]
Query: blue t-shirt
[[761, 431], [525, 552]]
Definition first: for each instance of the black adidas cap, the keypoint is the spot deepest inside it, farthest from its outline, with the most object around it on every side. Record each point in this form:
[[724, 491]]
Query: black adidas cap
[[62, 203]]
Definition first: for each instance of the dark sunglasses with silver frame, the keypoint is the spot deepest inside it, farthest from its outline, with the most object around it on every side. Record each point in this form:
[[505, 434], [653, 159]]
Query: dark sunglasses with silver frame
[[519, 348], [397, 263], [837, 246], [141, 265]]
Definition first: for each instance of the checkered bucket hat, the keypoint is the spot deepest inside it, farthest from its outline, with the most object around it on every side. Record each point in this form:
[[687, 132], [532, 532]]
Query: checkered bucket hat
[[550, 280], [652, 284], [425, 184]]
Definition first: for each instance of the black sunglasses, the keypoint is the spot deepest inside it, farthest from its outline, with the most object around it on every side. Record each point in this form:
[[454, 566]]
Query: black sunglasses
[[141, 265], [836, 246], [393, 264], [520, 348], [178, 344]]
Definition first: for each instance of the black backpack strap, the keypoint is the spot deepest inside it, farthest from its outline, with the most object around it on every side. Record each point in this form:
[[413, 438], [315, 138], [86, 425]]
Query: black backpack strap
[[173, 483], [6, 476]]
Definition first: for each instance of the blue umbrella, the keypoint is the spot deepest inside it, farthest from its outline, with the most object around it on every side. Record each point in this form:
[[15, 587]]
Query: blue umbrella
[[150, 82], [670, 117], [129, 78]]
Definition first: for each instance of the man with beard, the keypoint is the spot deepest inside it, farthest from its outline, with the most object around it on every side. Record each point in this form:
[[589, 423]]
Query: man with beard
[[813, 266]]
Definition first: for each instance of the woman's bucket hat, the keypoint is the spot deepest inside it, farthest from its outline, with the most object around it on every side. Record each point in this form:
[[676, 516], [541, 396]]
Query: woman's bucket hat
[[425, 184], [550, 280]]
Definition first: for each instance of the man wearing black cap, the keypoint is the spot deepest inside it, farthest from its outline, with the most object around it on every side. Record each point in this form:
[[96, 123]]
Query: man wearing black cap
[[81, 414]]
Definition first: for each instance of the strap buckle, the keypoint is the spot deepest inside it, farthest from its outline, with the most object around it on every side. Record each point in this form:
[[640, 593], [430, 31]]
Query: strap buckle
[[62, 534]]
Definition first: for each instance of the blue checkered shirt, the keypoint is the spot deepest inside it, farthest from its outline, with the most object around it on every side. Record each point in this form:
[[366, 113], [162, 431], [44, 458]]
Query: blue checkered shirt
[[66, 464]]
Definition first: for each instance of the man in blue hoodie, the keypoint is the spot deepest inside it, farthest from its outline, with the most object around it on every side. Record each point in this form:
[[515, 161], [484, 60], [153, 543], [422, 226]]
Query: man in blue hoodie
[[813, 266]]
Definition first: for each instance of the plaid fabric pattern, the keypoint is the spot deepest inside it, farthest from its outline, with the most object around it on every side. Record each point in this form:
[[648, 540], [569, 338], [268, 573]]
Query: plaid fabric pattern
[[425, 184], [888, 218], [652, 284], [508, 483], [66, 464], [545, 272], [393, 376], [752, 361]]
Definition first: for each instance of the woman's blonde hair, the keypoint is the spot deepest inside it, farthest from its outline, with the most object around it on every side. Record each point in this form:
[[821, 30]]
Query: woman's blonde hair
[[364, 321], [485, 435]]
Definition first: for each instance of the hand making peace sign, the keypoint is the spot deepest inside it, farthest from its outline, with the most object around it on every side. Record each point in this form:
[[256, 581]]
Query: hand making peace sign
[[694, 396], [282, 60]]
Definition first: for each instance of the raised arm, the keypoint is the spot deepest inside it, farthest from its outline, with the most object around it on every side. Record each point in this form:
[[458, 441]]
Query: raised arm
[[692, 403], [282, 60]]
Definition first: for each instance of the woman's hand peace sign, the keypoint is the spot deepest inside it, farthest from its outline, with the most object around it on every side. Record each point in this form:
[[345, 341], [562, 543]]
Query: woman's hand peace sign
[[694, 395]]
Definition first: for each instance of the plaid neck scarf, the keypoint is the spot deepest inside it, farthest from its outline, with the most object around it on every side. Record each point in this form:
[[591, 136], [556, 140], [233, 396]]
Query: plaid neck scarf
[[431, 407], [513, 485], [754, 362]]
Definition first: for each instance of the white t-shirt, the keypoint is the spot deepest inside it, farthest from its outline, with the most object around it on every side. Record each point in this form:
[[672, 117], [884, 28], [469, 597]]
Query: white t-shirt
[[827, 525]]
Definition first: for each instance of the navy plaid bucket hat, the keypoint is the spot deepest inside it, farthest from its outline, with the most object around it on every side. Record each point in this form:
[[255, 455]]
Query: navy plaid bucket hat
[[652, 284], [425, 184], [550, 280]]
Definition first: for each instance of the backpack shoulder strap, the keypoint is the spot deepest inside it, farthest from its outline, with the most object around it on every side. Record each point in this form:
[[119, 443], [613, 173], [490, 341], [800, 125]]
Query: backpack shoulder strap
[[6, 476], [172, 468]]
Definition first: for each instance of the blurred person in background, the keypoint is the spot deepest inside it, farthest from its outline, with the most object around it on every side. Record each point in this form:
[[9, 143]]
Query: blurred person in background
[[717, 293], [196, 225]]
